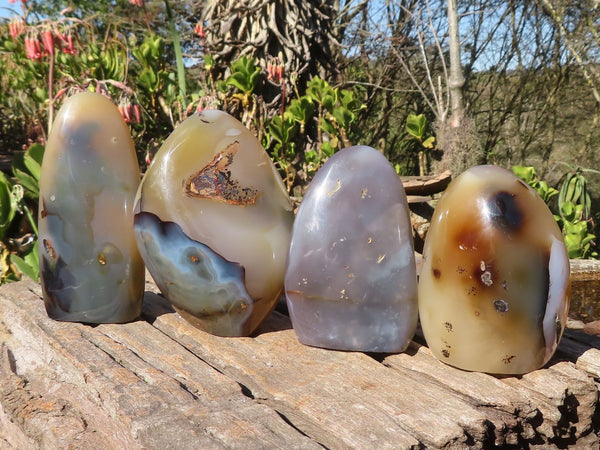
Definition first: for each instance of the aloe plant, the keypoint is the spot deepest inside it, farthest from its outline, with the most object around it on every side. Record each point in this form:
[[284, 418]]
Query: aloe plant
[[571, 216]]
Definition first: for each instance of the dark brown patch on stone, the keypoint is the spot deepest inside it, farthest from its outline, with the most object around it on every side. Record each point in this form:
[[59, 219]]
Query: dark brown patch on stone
[[508, 359], [447, 348], [471, 290], [436, 273], [448, 326], [49, 249], [505, 212], [468, 239], [43, 212], [215, 181]]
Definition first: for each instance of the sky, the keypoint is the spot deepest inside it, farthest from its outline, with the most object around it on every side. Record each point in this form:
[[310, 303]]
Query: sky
[[4, 12]]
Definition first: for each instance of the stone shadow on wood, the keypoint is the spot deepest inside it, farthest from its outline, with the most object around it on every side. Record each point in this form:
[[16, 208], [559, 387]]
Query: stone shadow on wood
[[155, 305]]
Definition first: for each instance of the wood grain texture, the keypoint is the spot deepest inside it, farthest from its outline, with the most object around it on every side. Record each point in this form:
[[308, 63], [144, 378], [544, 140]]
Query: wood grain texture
[[68, 384], [160, 383], [426, 185], [585, 290]]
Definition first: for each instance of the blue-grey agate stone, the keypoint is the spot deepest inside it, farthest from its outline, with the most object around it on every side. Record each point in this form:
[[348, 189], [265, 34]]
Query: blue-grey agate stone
[[90, 268], [351, 279], [204, 287]]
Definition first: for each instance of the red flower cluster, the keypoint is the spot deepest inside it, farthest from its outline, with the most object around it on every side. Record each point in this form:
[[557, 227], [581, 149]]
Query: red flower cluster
[[139, 3], [65, 43], [16, 28], [50, 41], [131, 113], [33, 48], [12, 2], [275, 71], [206, 102], [199, 30]]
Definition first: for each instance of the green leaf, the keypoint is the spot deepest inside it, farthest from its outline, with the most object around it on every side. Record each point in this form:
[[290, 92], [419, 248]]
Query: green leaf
[[328, 101], [26, 167], [244, 75], [209, 61], [33, 160], [326, 126], [589, 238], [525, 173], [30, 184], [321, 92], [8, 206], [415, 125], [429, 142], [10, 45], [328, 147], [148, 79], [39, 94], [568, 211], [282, 130], [347, 99], [311, 156], [29, 264], [156, 44], [300, 110], [343, 116], [239, 81]]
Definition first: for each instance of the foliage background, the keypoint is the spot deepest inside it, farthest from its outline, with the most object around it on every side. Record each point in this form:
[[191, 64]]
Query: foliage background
[[309, 78]]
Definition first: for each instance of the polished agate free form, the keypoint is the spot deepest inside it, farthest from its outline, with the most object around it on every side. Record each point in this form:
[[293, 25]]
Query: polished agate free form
[[351, 279], [213, 223], [494, 284], [90, 268]]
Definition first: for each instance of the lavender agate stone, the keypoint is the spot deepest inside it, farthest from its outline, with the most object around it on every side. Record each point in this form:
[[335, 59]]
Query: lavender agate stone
[[90, 267], [351, 280]]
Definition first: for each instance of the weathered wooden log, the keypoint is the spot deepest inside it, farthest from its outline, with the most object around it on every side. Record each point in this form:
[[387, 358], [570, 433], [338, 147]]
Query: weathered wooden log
[[160, 383], [585, 289], [128, 386], [426, 185]]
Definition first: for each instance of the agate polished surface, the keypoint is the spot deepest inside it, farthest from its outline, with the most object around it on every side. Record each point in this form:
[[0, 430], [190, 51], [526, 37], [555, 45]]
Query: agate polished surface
[[350, 281], [494, 284], [90, 268], [213, 223]]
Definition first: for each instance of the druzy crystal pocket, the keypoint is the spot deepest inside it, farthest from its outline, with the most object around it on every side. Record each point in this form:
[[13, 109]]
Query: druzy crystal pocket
[[350, 281], [90, 267], [213, 223], [494, 285]]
